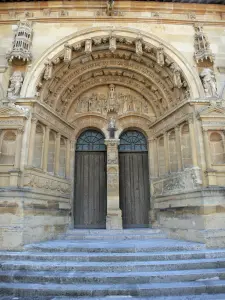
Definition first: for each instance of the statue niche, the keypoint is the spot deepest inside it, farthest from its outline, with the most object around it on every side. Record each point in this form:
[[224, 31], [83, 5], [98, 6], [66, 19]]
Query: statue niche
[[111, 98]]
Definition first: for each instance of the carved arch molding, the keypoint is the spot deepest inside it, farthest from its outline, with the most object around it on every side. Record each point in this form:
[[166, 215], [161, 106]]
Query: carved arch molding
[[78, 81]]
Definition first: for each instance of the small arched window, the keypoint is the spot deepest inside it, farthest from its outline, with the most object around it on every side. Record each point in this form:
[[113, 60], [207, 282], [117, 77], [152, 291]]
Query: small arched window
[[161, 156], [8, 147], [173, 162], [38, 146], [217, 148]]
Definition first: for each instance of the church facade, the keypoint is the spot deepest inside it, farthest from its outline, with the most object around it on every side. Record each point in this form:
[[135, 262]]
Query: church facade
[[112, 116]]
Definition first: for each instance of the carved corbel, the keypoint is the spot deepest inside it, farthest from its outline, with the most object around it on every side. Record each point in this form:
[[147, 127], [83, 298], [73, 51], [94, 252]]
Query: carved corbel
[[48, 70], [88, 46], [67, 53]]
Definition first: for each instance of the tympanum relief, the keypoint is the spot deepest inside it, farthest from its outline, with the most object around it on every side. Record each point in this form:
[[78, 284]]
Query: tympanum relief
[[108, 98]]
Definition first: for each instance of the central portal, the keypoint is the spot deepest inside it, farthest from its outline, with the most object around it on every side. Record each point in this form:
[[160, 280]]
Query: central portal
[[90, 181], [134, 179]]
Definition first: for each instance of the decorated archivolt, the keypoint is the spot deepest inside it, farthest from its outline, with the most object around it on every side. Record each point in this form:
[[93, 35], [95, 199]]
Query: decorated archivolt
[[109, 60]]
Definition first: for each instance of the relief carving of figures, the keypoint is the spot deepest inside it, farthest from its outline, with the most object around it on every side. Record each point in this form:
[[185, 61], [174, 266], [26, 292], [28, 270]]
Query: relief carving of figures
[[209, 83], [16, 81], [115, 101]]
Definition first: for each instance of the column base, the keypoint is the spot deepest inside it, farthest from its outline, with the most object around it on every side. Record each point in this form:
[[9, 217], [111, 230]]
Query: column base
[[114, 220]]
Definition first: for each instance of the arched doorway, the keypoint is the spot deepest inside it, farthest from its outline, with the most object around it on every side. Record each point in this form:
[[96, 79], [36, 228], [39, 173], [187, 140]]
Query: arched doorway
[[90, 197], [134, 179]]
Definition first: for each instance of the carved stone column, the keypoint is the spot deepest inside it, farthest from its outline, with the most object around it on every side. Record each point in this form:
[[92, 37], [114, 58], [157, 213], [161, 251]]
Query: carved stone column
[[57, 153], [193, 142], [32, 139], [68, 158], [166, 149], [19, 138], [178, 146], [46, 143], [114, 215]]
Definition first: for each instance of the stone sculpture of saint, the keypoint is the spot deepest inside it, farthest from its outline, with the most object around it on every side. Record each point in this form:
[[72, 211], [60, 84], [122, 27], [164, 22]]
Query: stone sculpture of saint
[[112, 128], [209, 83], [16, 81]]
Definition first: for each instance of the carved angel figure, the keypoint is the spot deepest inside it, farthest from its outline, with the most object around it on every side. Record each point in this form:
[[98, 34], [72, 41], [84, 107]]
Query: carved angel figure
[[16, 84], [209, 83]]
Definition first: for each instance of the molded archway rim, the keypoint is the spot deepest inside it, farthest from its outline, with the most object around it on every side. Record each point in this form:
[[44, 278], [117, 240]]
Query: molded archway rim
[[32, 77]]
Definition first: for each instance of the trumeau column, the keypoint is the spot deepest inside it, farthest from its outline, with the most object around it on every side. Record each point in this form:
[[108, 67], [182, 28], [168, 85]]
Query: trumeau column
[[46, 143], [178, 146], [114, 215], [166, 149], [193, 142], [57, 153], [32, 139]]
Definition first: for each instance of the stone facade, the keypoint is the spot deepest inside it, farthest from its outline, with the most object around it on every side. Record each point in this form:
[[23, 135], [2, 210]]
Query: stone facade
[[149, 66]]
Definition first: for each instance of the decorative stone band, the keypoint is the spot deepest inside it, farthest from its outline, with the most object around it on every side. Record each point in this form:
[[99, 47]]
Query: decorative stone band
[[174, 183]]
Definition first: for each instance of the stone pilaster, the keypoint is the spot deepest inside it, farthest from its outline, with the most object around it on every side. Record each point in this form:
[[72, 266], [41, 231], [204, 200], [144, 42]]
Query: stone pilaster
[[193, 142], [46, 143], [19, 138], [166, 149], [114, 215], [68, 158], [57, 154], [32, 139], [178, 145]]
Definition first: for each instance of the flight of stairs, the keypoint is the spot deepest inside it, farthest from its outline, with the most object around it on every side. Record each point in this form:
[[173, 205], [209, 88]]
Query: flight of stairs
[[117, 264]]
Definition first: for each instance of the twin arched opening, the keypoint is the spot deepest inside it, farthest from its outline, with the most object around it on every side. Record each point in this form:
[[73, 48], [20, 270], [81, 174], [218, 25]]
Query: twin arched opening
[[90, 188]]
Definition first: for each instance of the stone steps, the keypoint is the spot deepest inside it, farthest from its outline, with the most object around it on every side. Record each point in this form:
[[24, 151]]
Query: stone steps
[[109, 246], [142, 266], [101, 290], [128, 234], [113, 268], [112, 257], [111, 278]]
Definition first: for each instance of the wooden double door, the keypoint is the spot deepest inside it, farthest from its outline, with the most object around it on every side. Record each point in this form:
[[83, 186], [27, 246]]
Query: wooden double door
[[90, 203]]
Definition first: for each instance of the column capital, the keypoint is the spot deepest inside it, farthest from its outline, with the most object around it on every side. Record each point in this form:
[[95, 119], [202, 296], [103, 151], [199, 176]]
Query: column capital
[[20, 130], [205, 130], [34, 120], [190, 118], [112, 142]]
